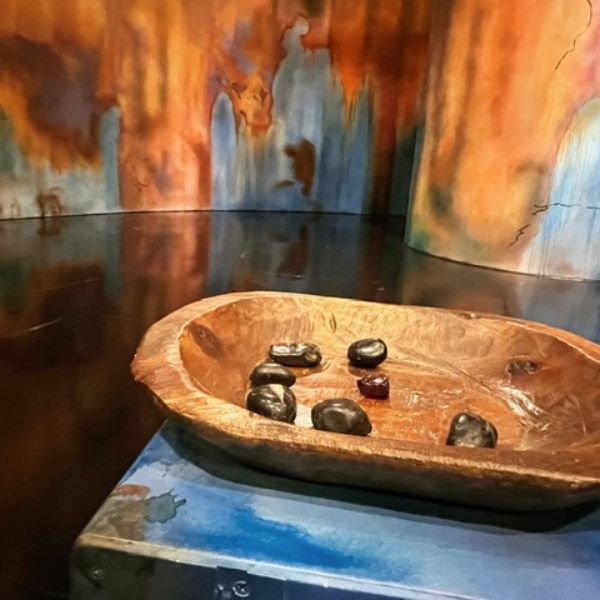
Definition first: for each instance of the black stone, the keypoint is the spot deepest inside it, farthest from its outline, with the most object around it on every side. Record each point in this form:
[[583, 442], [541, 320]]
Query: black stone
[[367, 353], [472, 431], [296, 355], [341, 415], [270, 372], [274, 401]]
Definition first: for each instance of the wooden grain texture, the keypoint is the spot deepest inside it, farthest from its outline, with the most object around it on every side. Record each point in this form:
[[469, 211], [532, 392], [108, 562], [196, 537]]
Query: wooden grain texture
[[197, 360]]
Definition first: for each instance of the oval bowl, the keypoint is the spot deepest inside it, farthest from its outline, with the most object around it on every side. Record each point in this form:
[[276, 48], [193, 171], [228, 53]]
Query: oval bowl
[[538, 386]]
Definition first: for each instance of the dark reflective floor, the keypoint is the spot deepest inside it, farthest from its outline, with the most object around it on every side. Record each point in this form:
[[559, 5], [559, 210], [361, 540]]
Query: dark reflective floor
[[76, 295]]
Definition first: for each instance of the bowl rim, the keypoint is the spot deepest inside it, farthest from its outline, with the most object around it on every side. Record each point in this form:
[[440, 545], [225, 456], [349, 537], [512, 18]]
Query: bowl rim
[[158, 365]]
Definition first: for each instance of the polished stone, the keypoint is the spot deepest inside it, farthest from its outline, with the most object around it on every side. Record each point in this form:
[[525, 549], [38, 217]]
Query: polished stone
[[341, 415], [374, 386], [472, 431], [367, 353], [273, 401], [298, 354], [269, 372]]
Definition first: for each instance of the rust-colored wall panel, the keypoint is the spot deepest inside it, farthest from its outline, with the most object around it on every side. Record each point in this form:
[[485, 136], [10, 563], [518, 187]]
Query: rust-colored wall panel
[[509, 174], [176, 104]]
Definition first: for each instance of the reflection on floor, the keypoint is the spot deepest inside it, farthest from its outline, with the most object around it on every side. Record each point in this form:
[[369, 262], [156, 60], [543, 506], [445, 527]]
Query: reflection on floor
[[76, 295]]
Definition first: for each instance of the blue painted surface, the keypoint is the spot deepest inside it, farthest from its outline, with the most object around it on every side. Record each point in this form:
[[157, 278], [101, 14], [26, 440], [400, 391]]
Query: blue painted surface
[[436, 549], [110, 130], [566, 241], [9, 151], [308, 104], [83, 189]]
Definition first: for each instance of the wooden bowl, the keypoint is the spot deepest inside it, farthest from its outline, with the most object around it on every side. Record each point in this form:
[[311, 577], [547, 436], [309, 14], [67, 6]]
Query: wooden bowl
[[539, 386]]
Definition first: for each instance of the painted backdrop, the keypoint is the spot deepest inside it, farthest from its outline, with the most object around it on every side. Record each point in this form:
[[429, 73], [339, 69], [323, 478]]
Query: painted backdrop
[[111, 105], [509, 174]]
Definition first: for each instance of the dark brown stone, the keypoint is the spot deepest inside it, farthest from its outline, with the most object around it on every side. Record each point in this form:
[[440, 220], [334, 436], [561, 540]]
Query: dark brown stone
[[472, 431], [367, 353], [270, 372], [296, 354], [273, 401], [341, 415]]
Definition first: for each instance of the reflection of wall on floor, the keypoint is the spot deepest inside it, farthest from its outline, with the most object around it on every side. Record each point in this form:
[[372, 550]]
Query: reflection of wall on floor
[[304, 254], [156, 263], [429, 281], [27, 250], [227, 104], [73, 419]]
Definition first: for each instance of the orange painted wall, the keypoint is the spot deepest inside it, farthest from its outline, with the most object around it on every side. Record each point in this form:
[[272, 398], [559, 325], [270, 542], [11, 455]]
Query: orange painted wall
[[506, 175], [161, 66]]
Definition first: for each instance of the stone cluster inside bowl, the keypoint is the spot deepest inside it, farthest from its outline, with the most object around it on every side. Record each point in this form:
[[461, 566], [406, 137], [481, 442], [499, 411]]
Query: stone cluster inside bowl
[[537, 384], [442, 365]]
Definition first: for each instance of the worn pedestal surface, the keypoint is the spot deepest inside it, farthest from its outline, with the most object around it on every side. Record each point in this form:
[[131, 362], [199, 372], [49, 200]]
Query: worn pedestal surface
[[188, 522]]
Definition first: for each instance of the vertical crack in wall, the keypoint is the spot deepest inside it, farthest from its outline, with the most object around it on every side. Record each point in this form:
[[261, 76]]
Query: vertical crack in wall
[[576, 38]]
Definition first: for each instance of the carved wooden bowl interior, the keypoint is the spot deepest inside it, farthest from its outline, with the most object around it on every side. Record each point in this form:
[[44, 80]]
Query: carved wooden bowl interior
[[539, 386]]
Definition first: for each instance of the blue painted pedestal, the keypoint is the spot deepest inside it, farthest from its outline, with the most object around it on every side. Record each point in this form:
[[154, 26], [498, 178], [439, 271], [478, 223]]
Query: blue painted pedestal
[[187, 521]]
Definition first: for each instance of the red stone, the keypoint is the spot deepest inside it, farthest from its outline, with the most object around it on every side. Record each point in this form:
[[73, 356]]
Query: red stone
[[374, 386]]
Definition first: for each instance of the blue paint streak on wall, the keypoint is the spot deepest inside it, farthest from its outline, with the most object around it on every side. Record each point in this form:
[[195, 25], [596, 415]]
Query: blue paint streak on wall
[[10, 156], [223, 142], [110, 130], [571, 224], [83, 189], [300, 93], [355, 172], [308, 104]]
